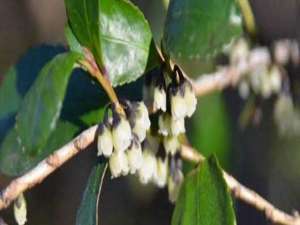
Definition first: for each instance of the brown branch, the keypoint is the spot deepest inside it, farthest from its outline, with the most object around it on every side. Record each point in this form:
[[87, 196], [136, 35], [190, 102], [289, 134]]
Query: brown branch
[[245, 194], [223, 78], [46, 167], [81, 142]]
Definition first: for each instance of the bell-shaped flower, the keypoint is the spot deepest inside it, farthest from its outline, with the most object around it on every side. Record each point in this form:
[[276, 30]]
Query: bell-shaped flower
[[134, 156], [164, 124], [121, 133], [190, 99], [148, 169], [105, 141], [160, 99], [118, 164], [178, 102], [177, 126], [171, 144], [161, 172]]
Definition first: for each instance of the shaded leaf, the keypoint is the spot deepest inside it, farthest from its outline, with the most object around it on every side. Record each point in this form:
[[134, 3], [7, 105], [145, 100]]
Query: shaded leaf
[[41, 106], [120, 42], [11, 150], [73, 43], [88, 211], [204, 198], [198, 30]]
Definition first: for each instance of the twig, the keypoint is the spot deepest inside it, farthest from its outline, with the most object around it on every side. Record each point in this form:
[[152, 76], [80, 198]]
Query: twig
[[217, 81], [81, 142], [245, 194], [46, 167]]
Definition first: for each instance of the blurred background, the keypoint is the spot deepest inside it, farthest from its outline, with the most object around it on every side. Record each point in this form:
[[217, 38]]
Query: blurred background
[[255, 154]]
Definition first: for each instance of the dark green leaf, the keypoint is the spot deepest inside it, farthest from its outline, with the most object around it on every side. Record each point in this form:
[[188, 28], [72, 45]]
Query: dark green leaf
[[120, 42], [73, 43], [14, 161], [204, 198], [41, 106], [197, 30], [88, 211]]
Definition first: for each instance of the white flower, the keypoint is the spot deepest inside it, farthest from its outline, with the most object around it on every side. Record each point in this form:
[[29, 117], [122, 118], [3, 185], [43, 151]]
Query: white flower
[[151, 143], [118, 164], [177, 126], [140, 120], [160, 99], [164, 124], [105, 142], [239, 51], [121, 133], [135, 157], [190, 99], [174, 185], [178, 105], [161, 172], [171, 144], [275, 79], [244, 89], [20, 210], [148, 169]]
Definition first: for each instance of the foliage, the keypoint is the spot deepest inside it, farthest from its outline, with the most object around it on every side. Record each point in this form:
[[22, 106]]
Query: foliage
[[49, 101]]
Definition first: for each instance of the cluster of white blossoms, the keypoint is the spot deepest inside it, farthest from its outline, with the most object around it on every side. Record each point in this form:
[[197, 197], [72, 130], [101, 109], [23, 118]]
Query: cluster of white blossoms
[[259, 73], [172, 98], [120, 137], [134, 146]]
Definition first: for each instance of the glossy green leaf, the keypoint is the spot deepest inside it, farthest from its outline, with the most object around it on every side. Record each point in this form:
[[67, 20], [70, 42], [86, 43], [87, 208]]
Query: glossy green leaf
[[204, 198], [197, 30], [73, 43], [88, 211], [121, 40], [41, 106], [14, 161]]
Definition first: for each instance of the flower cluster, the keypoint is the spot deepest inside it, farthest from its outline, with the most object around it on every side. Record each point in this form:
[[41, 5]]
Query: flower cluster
[[260, 74], [120, 137], [172, 98], [133, 145]]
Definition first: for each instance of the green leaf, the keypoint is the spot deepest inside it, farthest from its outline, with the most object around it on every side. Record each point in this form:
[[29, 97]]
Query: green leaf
[[87, 213], [204, 198], [73, 43], [9, 97], [41, 106], [11, 150], [198, 30], [121, 40]]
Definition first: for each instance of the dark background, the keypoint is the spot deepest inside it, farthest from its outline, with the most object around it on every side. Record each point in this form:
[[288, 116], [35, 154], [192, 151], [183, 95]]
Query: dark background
[[257, 156]]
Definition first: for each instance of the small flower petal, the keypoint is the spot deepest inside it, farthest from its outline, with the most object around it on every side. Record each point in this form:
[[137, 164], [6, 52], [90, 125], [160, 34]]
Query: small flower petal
[[105, 142], [121, 133], [148, 169], [160, 99], [164, 124], [118, 164], [171, 144], [135, 157], [162, 172]]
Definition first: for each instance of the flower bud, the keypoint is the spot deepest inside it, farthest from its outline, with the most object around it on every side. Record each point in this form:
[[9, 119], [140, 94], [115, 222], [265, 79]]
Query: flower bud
[[178, 102], [174, 184], [164, 124], [121, 133], [148, 169], [190, 99], [171, 144], [161, 172], [20, 210], [118, 164], [177, 126], [139, 120], [134, 156], [275, 79], [105, 142], [160, 99]]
